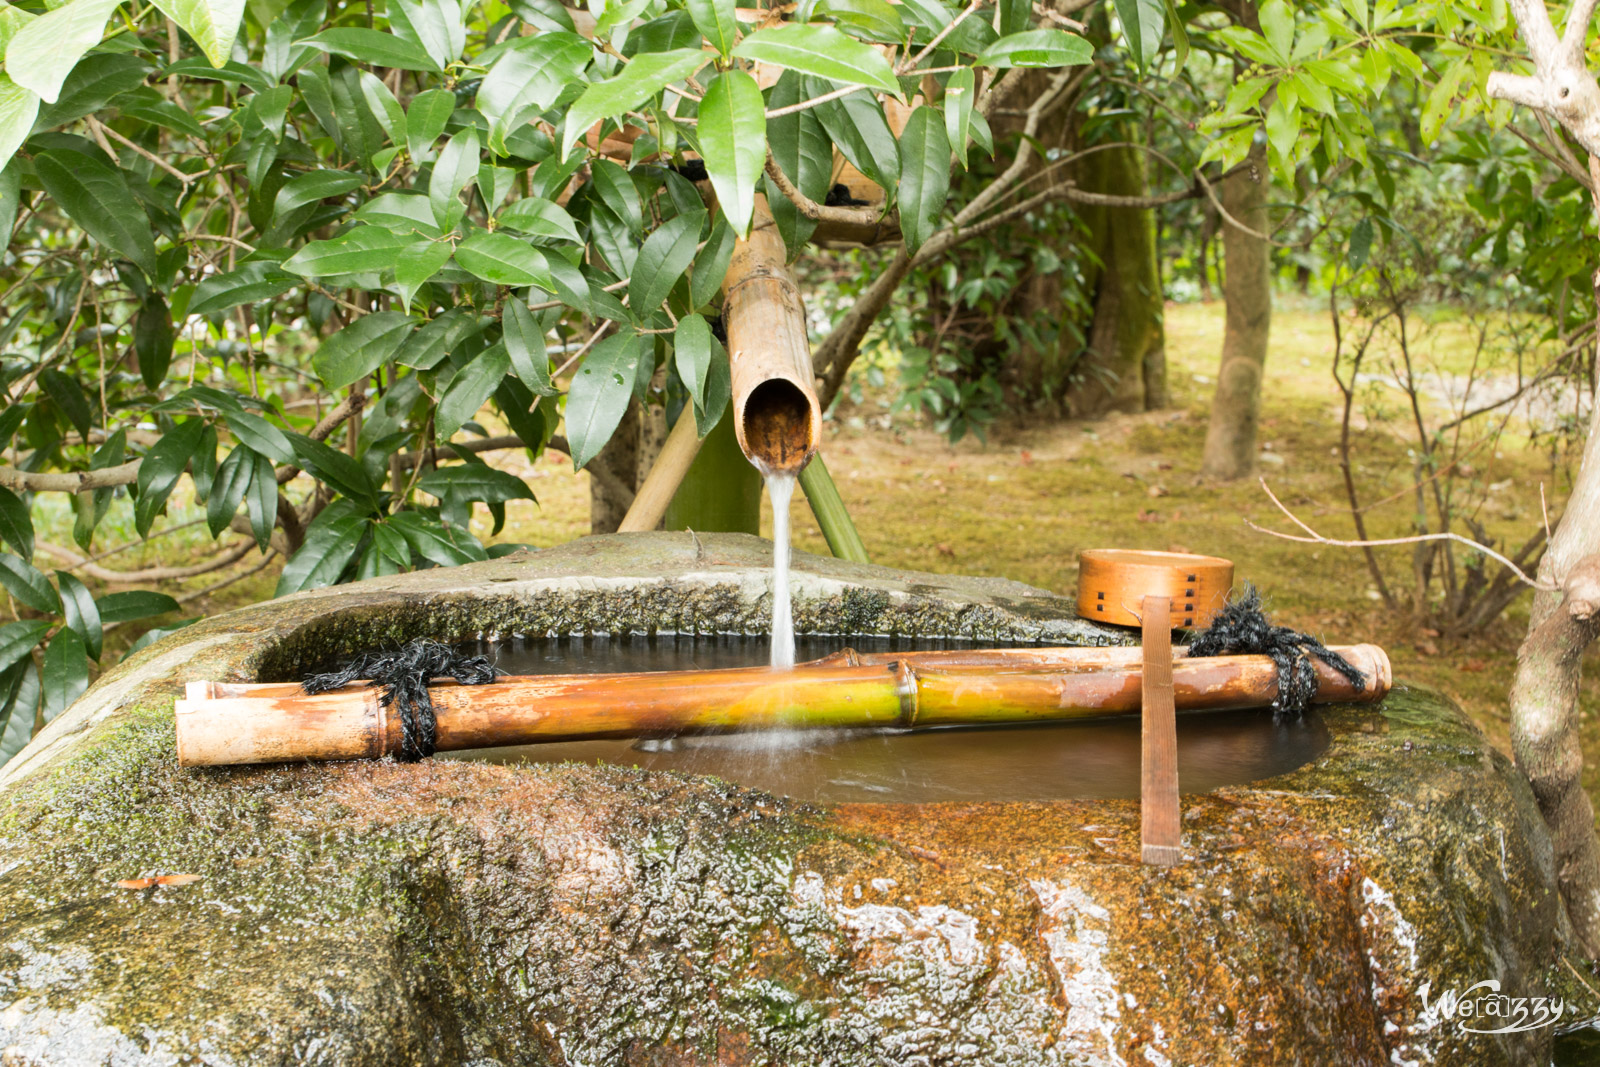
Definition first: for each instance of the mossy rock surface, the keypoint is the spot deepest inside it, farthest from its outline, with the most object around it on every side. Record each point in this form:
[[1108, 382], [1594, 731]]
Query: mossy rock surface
[[464, 913]]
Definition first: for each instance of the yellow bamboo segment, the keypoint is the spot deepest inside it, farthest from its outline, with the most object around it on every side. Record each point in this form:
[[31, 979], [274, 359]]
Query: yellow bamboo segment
[[255, 723]]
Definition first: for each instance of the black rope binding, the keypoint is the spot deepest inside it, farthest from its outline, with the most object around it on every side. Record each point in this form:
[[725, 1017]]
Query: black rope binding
[[1243, 629], [404, 676]]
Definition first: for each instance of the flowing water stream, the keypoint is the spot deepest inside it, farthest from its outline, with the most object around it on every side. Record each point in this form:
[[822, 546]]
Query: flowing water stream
[[780, 489], [1094, 758]]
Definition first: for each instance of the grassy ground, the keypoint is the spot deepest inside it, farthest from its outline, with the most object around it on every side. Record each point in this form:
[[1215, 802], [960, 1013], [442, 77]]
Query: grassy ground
[[1027, 502]]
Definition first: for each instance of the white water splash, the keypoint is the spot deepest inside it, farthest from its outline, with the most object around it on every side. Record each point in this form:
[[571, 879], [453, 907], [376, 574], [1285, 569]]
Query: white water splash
[[780, 488]]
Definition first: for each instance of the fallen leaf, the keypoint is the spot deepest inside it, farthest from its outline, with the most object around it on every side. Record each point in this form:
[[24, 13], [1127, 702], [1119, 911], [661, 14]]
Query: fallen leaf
[[135, 883], [1026, 457], [177, 879], [1157, 491], [160, 879], [1150, 516], [1181, 549], [945, 550], [1474, 666]]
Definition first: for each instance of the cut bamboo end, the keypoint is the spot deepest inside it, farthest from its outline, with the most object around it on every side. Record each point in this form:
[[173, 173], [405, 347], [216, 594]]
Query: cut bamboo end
[[777, 417]]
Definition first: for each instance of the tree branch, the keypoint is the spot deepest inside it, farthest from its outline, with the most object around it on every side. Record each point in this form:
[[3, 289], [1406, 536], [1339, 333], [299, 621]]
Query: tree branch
[[850, 216], [75, 562]]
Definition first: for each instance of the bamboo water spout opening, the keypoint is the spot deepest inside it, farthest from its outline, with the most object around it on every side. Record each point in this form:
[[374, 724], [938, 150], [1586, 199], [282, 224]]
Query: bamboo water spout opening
[[776, 416]]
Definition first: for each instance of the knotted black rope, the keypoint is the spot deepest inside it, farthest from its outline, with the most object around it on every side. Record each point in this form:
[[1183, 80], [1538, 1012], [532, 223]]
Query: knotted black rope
[[404, 676], [1243, 629]]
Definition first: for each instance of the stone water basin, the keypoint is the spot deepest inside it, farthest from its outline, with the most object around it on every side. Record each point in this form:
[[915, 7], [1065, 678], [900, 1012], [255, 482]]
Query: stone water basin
[[579, 913]]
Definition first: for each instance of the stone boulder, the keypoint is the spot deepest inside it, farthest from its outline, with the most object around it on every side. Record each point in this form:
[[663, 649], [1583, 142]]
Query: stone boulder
[[453, 912]]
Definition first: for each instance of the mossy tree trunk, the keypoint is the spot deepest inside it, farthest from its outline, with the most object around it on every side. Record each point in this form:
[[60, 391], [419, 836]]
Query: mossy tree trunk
[[1106, 348], [1230, 449]]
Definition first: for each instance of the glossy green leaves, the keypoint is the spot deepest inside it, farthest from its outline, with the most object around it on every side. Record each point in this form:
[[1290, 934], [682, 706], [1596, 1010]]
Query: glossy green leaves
[[821, 51], [925, 176], [640, 80], [733, 143]]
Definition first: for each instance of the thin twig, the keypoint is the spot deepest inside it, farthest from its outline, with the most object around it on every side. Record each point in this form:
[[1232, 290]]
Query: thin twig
[[1318, 539]]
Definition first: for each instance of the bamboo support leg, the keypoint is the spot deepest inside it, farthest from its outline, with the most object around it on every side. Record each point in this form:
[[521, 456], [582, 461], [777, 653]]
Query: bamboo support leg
[[1160, 834], [828, 506], [661, 484]]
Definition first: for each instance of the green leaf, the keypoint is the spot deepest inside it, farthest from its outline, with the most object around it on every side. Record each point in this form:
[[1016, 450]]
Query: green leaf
[[715, 21], [1039, 48], [66, 673], [68, 397], [16, 527], [802, 151], [133, 606], [19, 705], [1277, 26], [18, 106], [18, 640], [153, 338], [228, 489], [527, 78], [426, 117], [470, 389], [665, 257], [503, 260], [1360, 244], [733, 143], [429, 345], [856, 124], [1142, 24], [599, 395], [95, 196], [342, 473], [309, 188], [260, 435], [434, 24], [925, 181], [640, 80], [406, 214], [958, 111], [475, 482], [538, 217], [524, 339], [360, 348], [262, 501], [362, 250], [437, 543], [82, 617], [417, 264], [25, 582], [821, 51], [691, 353], [331, 539], [618, 193], [711, 265], [719, 391], [93, 83], [373, 47], [456, 169], [873, 20], [250, 284], [42, 53], [391, 543], [212, 23], [160, 470]]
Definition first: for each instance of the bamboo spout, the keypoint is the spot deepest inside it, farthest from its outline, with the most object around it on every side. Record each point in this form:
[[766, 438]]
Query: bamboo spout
[[777, 418]]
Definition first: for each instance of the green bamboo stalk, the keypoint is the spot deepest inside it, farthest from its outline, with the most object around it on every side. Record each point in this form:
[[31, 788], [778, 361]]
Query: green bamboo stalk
[[722, 492], [828, 506]]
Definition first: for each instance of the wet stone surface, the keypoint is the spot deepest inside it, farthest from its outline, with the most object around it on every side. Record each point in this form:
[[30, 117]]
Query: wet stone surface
[[465, 913]]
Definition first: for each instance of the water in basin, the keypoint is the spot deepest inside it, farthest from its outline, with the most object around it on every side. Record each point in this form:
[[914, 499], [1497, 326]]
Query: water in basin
[[1096, 758]]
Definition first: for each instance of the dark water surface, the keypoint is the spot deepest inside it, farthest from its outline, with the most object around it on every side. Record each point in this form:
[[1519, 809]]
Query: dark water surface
[[1097, 758]]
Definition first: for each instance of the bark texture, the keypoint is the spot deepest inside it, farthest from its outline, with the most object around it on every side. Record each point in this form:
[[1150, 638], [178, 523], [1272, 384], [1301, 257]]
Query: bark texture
[[1247, 289], [628, 456]]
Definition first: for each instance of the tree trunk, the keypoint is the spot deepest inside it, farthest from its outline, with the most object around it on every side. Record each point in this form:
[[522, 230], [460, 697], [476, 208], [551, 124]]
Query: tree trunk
[[628, 455], [1126, 353], [1247, 290], [1545, 709]]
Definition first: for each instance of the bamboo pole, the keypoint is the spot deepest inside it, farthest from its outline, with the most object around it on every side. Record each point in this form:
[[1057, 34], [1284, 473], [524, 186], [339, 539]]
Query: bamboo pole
[[220, 723], [666, 474], [777, 418], [844, 541]]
